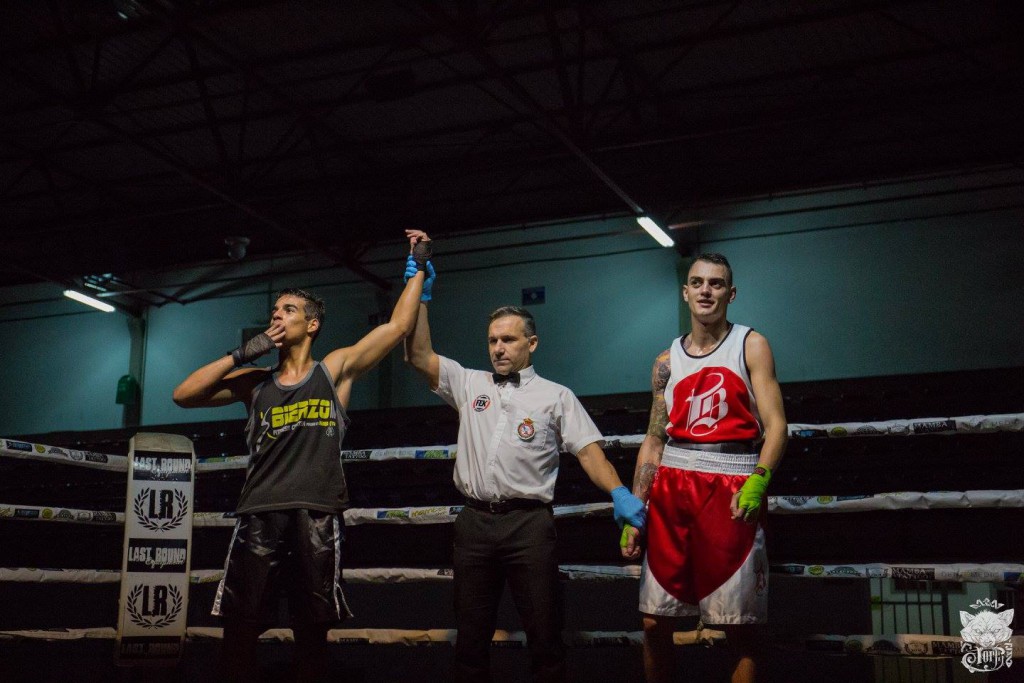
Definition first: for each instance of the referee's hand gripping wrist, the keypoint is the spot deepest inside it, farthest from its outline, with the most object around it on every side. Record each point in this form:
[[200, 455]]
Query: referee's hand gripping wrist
[[410, 269], [627, 508], [428, 283]]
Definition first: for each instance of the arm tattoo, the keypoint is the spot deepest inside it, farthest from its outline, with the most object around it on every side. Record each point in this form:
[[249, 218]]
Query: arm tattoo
[[659, 379], [642, 480], [659, 418], [643, 477]]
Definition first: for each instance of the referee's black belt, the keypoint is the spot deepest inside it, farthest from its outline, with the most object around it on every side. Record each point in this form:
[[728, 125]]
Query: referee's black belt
[[499, 506], [728, 447]]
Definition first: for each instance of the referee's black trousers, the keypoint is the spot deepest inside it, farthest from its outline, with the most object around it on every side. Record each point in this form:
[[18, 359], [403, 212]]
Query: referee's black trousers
[[518, 546]]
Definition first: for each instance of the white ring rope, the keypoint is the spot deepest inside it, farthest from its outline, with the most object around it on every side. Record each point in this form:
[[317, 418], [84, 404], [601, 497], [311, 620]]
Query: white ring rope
[[899, 500], [446, 514], [55, 513], [908, 644], [381, 636], [995, 572], [25, 450], [970, 424], [913, 645]]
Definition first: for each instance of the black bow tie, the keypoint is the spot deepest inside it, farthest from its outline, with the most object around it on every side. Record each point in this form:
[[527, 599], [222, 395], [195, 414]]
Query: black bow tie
[[510, 377]]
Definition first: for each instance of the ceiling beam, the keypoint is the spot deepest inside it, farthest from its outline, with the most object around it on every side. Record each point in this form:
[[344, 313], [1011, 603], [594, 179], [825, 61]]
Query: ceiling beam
[[255, 62], [569, 100], [681, 93], [275, 226], [834, 113], [204, 96], [468, 39]]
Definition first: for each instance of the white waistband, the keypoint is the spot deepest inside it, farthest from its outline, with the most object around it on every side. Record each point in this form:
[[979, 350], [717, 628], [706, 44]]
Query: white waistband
[[703, 461]]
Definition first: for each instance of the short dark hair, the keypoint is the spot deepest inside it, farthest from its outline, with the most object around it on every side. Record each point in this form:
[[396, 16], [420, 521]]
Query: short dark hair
[[529, 324], [314, 306], [718, 260]]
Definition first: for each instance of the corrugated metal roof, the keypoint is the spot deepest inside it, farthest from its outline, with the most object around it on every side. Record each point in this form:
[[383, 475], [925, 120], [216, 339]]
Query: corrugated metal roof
[[347, 122]]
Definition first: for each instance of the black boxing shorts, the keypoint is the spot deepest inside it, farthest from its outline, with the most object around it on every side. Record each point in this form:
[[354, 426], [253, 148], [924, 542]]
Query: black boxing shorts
[[296, 553]]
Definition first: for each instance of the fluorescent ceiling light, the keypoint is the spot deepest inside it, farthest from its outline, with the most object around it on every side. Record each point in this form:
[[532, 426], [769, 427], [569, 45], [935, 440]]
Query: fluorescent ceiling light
[[652, 228], [88, 300]]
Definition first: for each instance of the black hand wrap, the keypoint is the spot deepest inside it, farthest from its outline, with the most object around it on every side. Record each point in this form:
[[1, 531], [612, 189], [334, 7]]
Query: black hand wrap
[[421, 253], [259, 345]]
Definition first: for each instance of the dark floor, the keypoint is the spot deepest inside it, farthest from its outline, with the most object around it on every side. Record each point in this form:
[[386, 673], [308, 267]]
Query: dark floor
[[92, 662]]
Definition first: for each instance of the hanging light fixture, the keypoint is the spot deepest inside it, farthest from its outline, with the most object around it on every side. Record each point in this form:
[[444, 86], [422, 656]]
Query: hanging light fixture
[[655, 231], [88, 300]]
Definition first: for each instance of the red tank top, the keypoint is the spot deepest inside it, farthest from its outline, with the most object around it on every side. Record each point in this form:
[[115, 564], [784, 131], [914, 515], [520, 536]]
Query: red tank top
[[709, 398]]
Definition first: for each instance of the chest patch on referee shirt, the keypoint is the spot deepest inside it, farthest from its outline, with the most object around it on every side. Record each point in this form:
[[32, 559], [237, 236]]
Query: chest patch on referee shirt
[[481, 403], [526, 430]]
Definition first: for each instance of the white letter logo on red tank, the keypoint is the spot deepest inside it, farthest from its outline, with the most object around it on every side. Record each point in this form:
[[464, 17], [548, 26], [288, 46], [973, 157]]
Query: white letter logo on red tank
[[708, 408], [711, 405]]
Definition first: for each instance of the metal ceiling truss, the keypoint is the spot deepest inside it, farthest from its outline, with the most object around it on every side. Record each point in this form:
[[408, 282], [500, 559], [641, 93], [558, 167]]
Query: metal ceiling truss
[[93, 116], [260, 150]]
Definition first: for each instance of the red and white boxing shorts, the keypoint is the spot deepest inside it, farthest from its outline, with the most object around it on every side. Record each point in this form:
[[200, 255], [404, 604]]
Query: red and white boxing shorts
[[699, 560]]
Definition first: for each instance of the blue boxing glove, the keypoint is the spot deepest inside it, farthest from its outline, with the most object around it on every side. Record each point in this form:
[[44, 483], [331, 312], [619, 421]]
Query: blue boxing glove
[[411, 268], [628, 509]]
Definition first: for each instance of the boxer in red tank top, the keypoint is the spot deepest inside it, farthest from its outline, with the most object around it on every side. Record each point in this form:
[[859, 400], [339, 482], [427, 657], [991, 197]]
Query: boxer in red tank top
[[717, 431]]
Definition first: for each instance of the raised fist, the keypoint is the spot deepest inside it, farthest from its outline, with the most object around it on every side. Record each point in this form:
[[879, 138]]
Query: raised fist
[[420, 250]]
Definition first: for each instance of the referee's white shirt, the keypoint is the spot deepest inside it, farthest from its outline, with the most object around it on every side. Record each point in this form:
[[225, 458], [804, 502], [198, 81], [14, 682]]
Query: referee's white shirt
[[498, 458]]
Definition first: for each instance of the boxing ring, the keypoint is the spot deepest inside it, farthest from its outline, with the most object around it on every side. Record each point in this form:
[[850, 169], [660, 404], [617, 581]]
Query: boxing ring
[[63, 511]]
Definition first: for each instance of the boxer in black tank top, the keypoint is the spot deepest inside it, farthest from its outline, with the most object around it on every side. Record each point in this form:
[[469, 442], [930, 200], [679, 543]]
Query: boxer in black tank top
[[290, 525]]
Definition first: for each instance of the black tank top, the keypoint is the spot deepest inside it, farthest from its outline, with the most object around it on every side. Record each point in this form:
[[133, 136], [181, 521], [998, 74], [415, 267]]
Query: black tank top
[[294, 435]]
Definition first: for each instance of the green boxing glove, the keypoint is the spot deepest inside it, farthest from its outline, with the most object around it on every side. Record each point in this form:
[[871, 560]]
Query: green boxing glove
[[624, 539], [752, 493]]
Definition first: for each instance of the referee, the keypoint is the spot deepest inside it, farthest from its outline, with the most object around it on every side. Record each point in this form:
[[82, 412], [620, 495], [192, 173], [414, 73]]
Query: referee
[[513, 424]]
